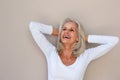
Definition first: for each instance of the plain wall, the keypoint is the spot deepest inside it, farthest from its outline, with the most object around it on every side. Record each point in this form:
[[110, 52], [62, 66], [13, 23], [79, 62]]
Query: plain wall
[[20, 57]]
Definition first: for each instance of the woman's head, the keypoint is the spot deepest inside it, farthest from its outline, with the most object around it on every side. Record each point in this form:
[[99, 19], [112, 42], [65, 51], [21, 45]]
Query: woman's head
[[71, 33]]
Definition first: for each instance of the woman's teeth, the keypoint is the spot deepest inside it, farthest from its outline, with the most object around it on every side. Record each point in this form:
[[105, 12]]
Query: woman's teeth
[[68, 37]]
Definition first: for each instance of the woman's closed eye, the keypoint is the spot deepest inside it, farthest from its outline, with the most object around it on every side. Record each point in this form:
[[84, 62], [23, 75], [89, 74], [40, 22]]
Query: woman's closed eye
[[64, 29], [72, 30]]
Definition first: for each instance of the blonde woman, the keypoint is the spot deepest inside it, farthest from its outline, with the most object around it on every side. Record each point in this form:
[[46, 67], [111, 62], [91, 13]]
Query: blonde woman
[[70, 59]]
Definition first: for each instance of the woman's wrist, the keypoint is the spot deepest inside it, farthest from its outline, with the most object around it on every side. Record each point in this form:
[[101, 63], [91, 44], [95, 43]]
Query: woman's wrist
[[86, 38], [55, 32]]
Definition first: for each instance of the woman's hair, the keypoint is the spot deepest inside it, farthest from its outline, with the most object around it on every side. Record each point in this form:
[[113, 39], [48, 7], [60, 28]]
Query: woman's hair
[[80, 46]]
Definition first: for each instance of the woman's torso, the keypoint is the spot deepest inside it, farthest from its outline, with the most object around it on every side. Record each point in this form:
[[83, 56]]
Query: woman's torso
[[58, 71]]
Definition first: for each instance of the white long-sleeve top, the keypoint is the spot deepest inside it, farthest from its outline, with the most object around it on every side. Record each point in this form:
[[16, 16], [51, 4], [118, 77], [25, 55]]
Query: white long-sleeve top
[[56, 69]]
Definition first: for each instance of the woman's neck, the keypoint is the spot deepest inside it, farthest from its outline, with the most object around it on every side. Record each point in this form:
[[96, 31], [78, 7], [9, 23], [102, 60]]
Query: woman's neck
[[67, 56], [67, 52]]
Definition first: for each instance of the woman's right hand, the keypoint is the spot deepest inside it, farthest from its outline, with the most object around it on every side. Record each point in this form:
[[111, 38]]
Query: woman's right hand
[[86, 38], [55, 32]]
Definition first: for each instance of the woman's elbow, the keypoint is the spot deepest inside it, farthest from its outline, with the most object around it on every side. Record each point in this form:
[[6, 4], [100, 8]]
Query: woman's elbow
[[31, 24], [115, 40]]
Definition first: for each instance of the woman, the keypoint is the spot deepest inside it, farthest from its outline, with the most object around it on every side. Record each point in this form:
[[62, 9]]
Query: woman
[[70, 59]]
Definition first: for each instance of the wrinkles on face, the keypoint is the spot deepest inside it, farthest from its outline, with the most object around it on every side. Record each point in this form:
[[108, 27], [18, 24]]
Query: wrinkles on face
[[69, 33]]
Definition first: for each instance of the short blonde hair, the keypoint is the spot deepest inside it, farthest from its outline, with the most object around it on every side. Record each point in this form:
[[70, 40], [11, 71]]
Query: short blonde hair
[[80, 45]]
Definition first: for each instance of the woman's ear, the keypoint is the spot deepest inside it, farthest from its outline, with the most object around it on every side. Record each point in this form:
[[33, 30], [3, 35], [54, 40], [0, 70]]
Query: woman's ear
[[77, 40]]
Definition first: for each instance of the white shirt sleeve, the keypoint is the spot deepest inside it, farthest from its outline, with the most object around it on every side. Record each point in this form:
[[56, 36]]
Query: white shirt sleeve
[[106, 44], [37, 30]]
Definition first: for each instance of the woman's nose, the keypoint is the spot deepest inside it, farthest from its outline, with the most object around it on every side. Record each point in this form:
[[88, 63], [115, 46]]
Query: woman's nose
[[67, 31]]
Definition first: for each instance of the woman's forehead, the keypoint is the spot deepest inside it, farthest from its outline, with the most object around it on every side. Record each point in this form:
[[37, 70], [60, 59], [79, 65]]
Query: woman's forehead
[[70, 25]]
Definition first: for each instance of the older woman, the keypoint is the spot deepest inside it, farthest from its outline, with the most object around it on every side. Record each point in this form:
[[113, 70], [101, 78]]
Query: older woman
[[70, 59]]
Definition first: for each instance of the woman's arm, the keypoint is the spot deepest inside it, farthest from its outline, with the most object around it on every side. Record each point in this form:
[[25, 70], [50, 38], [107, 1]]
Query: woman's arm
[[55, 32], [86, 38], [37, 30], [106, 44]]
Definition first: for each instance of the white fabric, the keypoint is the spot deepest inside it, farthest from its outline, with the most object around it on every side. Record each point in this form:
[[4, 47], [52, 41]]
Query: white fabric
[[56, 69]]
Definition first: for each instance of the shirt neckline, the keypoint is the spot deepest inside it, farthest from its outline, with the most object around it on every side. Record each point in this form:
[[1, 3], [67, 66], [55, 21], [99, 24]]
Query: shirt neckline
[[65, 66]]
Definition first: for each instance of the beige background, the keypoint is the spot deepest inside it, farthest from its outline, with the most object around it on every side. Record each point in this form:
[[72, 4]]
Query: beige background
[[21, 59]]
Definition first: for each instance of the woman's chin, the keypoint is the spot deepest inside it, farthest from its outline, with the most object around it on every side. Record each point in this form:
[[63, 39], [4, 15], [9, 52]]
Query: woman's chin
[[66, 41]]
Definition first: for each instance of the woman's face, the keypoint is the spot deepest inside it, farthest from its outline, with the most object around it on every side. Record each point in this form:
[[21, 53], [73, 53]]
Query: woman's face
[[69, 33]]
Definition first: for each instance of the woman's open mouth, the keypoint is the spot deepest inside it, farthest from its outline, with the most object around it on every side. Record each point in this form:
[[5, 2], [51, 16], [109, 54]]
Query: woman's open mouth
[[66, 37]]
